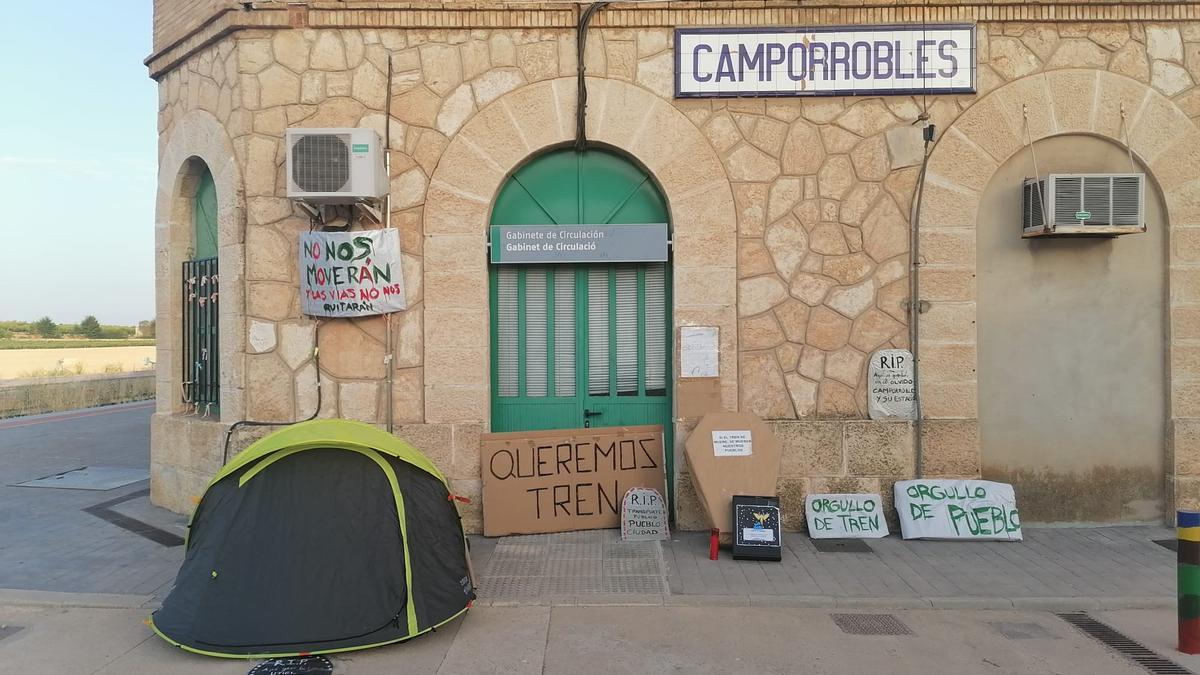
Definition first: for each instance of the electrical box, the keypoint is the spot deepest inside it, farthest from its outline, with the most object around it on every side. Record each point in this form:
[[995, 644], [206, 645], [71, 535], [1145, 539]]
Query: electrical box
[[335, 166], [1083, 204]]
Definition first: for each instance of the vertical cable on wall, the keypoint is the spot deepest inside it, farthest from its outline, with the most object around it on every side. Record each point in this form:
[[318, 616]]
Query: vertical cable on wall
[[581, 96]]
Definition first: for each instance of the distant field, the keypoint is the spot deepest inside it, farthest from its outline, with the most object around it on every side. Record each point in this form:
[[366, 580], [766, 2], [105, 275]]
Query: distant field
[[71, 344], [19, 363]]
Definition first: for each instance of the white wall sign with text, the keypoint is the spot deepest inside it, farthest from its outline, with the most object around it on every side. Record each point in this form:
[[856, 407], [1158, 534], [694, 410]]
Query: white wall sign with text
[[825, 61]]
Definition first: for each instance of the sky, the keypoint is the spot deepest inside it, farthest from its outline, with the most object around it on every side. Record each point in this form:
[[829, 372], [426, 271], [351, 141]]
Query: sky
[[78, 158]]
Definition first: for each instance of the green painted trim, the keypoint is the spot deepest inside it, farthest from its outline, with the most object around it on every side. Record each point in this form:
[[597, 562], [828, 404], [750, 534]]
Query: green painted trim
[[331, 433], [1189, 579], [281, 655]]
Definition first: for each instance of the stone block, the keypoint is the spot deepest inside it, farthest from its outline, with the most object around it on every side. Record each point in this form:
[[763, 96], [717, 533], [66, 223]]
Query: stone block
[[408, 396], [950, 448], [359, 401], [792, 493], [878, 448], [949, 322], [843, 484], [760, 294], [457, 403], [949, 400], [269, 395], [948, 246], [471, 512], [435, 441], [763, 391], [947, 362], [810, 448], [948, 285], [347, 351], [905, 147], [1185, 447], [827, 330]]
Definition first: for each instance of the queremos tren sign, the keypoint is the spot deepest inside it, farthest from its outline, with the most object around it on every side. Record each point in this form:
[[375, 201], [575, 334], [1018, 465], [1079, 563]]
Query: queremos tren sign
[[826, 61]]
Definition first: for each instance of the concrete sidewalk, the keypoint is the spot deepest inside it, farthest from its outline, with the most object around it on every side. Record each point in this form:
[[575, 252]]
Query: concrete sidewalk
[[573, 640], [54, 542]]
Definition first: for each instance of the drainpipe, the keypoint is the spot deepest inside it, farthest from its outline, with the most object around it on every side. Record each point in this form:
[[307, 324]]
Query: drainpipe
[[581, 96], [389, 348], [915, 305]]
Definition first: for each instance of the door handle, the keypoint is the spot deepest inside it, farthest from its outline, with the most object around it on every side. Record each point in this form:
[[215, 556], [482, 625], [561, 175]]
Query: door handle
[[591, 413]]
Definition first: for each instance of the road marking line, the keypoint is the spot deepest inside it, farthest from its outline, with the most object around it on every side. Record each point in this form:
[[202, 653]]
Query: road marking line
[[71, 415]]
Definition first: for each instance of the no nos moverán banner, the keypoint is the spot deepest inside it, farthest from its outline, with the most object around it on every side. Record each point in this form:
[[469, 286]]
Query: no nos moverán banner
[[351, 273], [957, 509], [568, 479]]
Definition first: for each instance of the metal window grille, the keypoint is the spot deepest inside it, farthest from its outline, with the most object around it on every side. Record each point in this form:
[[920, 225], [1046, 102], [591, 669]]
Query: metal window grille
[[201, 364]]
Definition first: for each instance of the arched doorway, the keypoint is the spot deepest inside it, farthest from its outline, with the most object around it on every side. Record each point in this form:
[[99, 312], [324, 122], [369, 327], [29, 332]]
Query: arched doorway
[[575, 345]]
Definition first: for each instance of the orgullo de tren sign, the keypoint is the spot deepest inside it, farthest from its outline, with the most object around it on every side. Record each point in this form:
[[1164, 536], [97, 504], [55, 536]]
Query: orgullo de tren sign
[[825, 61]]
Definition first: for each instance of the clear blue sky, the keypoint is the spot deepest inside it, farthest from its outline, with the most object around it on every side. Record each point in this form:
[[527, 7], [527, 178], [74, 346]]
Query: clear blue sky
[[78, 158]]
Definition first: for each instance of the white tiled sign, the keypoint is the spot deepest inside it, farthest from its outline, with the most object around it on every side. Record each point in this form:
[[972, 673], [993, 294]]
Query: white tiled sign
[[837, 60]]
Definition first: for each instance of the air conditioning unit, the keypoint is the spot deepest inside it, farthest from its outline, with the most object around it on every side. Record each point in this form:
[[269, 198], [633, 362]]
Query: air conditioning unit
[[335, 166], [1083, 204]]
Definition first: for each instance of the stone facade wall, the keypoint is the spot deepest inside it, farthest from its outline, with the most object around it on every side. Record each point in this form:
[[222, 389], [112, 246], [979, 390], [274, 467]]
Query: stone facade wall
[[790, 217]]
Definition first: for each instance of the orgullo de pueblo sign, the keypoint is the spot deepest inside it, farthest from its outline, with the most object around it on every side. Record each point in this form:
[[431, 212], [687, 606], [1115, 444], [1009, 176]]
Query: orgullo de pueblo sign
[[826, 61]]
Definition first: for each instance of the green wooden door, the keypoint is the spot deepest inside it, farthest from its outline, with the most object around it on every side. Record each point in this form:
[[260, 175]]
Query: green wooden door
[[580, 345]]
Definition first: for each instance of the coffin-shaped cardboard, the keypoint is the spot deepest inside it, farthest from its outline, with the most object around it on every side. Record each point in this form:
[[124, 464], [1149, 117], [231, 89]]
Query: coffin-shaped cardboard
[[721, 467]]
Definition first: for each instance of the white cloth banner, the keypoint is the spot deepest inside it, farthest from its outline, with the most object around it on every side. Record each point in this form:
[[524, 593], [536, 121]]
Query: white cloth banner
[[957, 509], [845, 516], [351, 273]]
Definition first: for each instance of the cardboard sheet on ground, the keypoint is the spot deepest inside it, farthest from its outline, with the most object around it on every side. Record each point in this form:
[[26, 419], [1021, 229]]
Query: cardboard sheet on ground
[[566, 479], [742, 463], [957, 509], [845, 516]]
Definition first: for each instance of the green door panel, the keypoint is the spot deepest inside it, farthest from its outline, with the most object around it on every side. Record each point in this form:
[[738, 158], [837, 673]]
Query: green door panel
[[204, 216], [581, 345]]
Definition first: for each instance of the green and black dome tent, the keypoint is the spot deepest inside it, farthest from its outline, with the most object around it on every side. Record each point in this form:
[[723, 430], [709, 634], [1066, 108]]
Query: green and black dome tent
[[326, 536]]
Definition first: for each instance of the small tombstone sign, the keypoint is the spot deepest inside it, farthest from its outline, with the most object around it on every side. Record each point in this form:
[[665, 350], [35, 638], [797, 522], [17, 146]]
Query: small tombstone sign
[[643, 515], [890, 385], [845, 516], [957, 509], [300, 665]]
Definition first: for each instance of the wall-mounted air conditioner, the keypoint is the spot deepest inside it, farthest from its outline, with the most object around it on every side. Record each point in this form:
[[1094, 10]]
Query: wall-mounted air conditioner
[[335, 166], [1083, 204]]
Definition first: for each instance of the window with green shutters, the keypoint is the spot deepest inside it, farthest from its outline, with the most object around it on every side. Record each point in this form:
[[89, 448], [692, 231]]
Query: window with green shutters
[[577, 345], [201, 298]]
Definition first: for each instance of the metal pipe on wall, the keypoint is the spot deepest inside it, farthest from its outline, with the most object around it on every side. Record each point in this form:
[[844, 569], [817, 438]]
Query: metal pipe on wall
[[914, 299]]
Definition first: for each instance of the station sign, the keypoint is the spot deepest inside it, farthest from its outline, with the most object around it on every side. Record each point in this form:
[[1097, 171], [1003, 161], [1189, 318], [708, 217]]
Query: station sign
[[825, 61], [541, 244]]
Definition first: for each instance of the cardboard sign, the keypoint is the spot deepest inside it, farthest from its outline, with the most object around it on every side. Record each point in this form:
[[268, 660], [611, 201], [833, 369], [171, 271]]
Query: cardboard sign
[[569, 479], [957, 509], [351, 273], [644, 516], [718, 477], [890, 391], [845, 516]]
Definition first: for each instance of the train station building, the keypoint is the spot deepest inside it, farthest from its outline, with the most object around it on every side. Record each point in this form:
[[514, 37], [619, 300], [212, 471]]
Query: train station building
[[827, 180]]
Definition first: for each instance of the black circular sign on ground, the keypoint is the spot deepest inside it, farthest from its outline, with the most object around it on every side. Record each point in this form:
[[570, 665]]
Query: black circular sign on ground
[[298, 665]]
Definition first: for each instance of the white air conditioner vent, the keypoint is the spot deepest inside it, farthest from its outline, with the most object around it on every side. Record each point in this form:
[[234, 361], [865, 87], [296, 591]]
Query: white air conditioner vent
[[1087, 204], [335, 166]]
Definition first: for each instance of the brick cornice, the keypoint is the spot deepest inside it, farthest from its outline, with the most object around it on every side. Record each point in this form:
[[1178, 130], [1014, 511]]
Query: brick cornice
[[558, 15]]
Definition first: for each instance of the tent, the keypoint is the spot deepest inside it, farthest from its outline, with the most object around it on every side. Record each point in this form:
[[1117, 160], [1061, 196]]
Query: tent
[[326, 536]]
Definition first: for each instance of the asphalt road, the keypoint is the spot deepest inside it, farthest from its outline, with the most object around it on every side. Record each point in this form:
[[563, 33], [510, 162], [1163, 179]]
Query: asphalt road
[[47, 540]]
